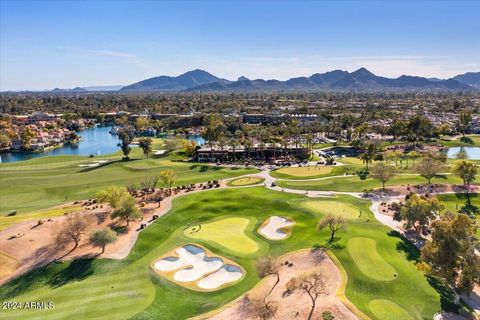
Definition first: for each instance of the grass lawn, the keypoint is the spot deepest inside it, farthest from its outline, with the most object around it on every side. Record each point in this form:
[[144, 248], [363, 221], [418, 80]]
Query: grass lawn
[[388, 310], [45, 182], [364, 253], [308, 171], [355, 184], [229, 233], [474, 139], [344, 209], [128, 288], [247, 181]]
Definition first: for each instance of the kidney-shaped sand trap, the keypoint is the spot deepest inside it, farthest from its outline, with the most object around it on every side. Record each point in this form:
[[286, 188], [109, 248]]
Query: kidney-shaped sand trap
[[276, 228], [196, 268]]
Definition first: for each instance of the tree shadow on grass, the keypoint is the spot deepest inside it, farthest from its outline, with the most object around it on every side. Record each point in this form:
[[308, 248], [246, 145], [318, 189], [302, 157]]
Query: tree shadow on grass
[[23, 283], [405, 246], [446, 294], [467, 140], [77, 270]]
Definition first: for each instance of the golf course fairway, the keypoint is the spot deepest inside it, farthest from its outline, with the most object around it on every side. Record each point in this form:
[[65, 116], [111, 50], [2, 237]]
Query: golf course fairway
[[228, 233], [129, 288]]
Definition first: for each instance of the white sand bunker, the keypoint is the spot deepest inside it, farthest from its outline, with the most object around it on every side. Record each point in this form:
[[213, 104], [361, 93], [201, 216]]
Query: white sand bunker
[[94, 164], [159, 152], [226, 274], [193, 264], [273, 228]]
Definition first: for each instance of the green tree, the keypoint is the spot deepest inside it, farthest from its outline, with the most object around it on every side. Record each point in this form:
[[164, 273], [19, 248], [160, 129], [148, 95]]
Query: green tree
[[190, 147], [368, 155], [464, 120], [102, 237], [451, 255], [213, 130], [112, 195], [467, 171], [414, 155], [168, 178], [141, 123], [4, 141], [26, 135], [383, 172], [146, 145], [126, 137], [126, 210], [418, 211]]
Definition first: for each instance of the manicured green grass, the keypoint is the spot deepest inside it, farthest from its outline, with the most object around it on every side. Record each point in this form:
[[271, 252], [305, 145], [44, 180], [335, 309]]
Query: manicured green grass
[[474, 139], [355, 184], [228, 232], [364, 253], [45, 182], [113, 289], [388, 310], [247, 181], [344, 209], [308, 171]]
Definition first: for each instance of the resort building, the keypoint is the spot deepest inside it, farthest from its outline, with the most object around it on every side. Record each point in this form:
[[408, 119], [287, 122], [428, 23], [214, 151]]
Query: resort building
[[269, 152]]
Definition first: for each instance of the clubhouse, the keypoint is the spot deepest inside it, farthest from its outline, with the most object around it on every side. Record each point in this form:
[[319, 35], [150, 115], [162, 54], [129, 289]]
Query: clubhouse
[[269, 152]]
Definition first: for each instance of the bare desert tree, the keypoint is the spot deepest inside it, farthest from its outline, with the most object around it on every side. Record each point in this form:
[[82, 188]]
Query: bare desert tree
[[258, 308], [333, 223], [383, 172], [313, 284], [267, 266], [428, 168], [72, 230]]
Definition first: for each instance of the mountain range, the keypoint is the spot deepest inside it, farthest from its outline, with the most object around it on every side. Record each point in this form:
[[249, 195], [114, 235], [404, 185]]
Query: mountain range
[[359, 80]]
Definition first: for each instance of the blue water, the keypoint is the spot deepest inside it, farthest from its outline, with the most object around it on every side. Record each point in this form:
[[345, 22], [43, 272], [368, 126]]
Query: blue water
[[473, 153], [198, 139], [97, 141]]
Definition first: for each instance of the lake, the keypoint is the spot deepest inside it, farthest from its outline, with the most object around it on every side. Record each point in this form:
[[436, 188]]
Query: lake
[[473, 153], [97, 141]]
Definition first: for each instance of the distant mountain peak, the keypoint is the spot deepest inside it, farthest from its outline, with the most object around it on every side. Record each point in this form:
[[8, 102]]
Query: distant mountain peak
[[362, 79], [184, 81]]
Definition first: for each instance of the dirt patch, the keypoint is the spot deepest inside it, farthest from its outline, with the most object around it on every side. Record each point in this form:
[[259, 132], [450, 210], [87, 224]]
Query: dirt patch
[[296, 305], [403, 190], [37, 241]]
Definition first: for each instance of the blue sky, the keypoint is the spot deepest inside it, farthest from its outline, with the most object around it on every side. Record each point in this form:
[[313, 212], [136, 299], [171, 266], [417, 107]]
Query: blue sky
[[65, 44]]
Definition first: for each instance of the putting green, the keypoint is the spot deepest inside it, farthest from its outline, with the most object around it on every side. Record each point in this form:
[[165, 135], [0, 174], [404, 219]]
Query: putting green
[[305, 171], [228, 233], [346, 210], [247, 181], [364, 253], [388, 310]]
